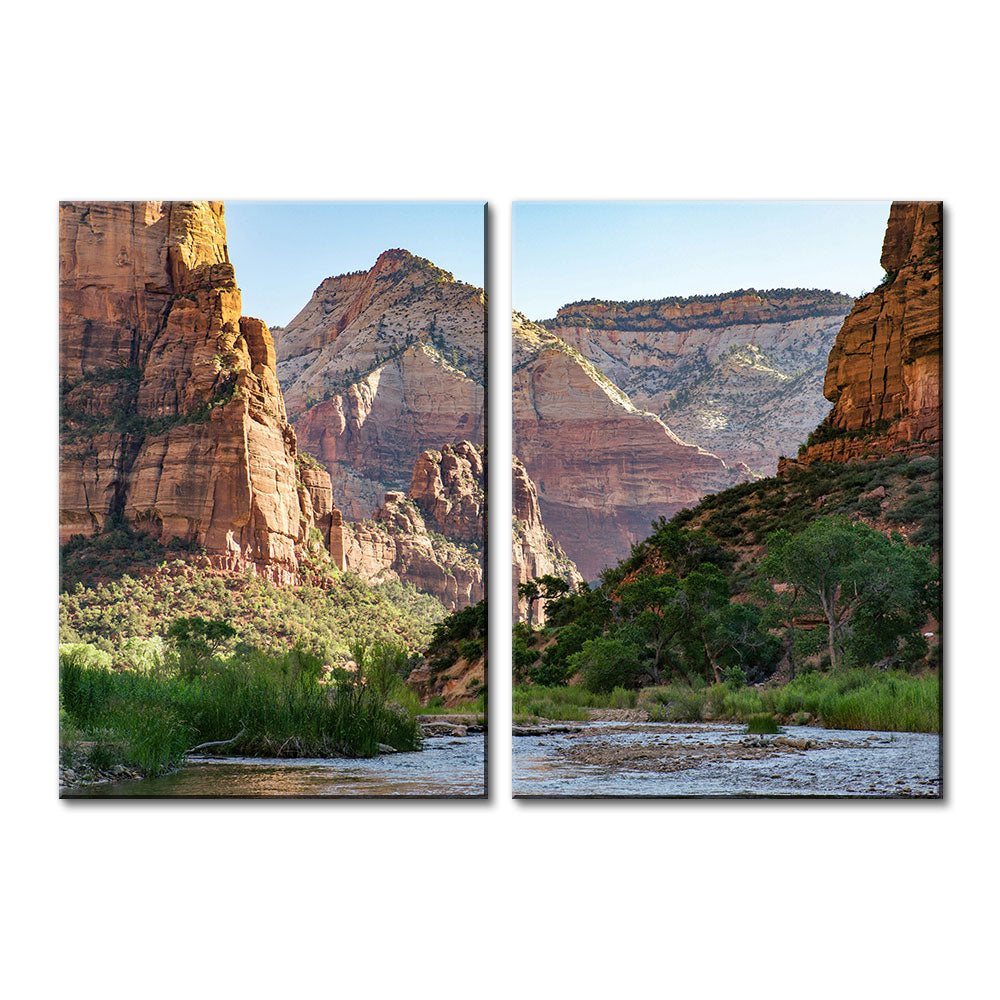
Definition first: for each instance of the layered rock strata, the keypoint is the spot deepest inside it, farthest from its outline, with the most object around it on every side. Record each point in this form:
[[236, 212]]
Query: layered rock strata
[[535, 552], [884, 372], [604, 470], [381, 365], [740, 374], [432, 537], [172, 421]]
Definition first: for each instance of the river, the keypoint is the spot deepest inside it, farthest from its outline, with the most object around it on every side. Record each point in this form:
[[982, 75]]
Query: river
[[447, 766], [719, 759]]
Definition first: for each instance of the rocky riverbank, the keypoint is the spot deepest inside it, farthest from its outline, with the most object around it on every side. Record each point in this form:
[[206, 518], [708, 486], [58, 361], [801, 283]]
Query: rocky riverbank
[[663, 756], [77, 769], [722, 759], [452, 725]]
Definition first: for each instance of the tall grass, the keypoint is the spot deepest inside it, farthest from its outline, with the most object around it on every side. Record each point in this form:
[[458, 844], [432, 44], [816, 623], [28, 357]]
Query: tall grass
[[262, 704], [762, 724], [889, 701], [436, 706], [567, 703]]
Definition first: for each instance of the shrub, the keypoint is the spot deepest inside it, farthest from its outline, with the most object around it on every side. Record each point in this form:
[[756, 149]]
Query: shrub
[[734, 678], [762, 724], [606, 664]]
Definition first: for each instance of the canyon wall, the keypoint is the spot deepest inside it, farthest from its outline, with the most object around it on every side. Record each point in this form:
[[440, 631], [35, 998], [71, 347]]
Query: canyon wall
[[434, 535], [884, 372], [380, 366], [740, 373], [604, 470], [172, 420], [534, 551]]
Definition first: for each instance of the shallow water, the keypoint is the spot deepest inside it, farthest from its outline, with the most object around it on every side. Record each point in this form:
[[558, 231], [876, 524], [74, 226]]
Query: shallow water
[[868, 764], [446, 766]]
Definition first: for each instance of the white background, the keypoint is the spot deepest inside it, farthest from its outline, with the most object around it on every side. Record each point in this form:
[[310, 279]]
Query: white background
[[499, 102]]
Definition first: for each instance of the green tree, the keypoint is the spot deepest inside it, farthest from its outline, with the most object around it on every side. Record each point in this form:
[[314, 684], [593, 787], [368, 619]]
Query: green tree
[[542, 588], [552, 586], [707, 592], [530, 592], [197, 640], [657, 607], [780, 608], [606, 663], [872, 591], [740, 641]]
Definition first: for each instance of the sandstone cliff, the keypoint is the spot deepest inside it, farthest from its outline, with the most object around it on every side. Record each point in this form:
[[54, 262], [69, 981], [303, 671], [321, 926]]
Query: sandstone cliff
[[172, 421], [604, 469], [381, 365], [534, 551], [432, 537], [740, 373], [884, 372]]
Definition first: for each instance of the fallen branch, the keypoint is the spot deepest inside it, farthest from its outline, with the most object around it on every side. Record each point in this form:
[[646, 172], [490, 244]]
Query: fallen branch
[[217, 743]]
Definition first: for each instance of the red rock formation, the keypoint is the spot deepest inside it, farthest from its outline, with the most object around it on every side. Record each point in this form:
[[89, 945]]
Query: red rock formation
[[534, 551], [884, 372], [434, 537], [746, 307], [172, 419], [604, 470], [740, 374], [380, 366], [448, 488], [318, 511]]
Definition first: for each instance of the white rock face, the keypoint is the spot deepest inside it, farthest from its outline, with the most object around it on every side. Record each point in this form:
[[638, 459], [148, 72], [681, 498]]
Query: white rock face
[[381, 365], [747, 392]]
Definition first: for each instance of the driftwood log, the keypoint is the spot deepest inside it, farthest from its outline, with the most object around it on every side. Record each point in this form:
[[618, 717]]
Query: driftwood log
[[217, 743]]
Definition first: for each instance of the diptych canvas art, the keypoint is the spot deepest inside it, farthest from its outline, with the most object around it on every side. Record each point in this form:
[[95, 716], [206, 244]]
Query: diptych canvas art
[[726, 499]]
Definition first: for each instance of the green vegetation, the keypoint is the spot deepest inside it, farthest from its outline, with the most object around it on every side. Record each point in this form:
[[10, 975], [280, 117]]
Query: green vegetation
[[739, 519], [873, 592], [109, 613], [762, 724], [537, 701], [887, 701], [828, 432], [682, 614], [542, 588], [461, 635], [255, 703], [477, 707], [303, 460], [82, 414], [116, 550], [806, 572]]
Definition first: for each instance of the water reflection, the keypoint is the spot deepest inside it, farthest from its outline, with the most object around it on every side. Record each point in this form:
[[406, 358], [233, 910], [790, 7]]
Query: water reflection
[[445, 766]]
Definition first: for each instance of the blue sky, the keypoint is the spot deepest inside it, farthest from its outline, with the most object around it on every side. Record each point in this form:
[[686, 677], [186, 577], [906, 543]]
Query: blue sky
[[566, 251], [282, 250]]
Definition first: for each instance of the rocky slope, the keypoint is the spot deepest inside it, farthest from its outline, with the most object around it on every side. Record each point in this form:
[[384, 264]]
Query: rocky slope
[[434, 535], [454, 666], [534, 551], [884, 372], [381, 365], [461, 682], [604, 470], [172, 420], [740, 373]]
